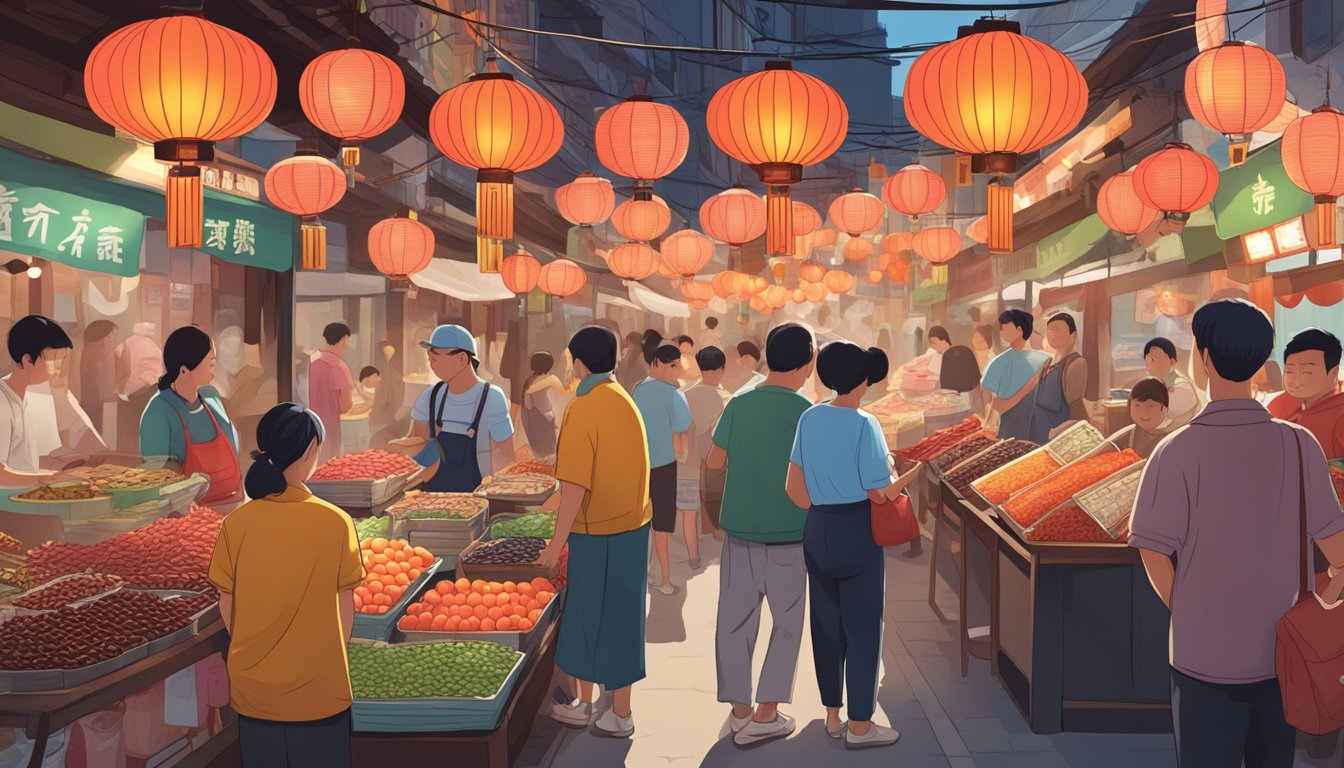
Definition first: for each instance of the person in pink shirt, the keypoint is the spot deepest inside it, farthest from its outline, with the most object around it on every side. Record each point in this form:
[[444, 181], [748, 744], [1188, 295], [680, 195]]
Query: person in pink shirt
[[331, 387]]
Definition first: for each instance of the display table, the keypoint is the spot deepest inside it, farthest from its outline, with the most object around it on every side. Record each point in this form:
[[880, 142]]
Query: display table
[[1078, 638], [493, 749]]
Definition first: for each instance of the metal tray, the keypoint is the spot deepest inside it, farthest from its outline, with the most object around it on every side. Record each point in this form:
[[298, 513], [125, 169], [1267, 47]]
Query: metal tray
[[379, 627], [1086, 499], [21, 681], [975, 486], [438, 713], [49, 584], [522, 641]]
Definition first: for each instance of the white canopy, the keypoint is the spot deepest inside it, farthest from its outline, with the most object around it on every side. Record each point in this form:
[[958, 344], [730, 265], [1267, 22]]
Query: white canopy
[[329, 284], [655, 302], [461, 280]]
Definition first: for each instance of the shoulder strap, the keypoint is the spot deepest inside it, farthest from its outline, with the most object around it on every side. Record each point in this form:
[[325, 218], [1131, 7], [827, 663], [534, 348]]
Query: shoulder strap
[[480, 409], [1303, 583], [435, 416]]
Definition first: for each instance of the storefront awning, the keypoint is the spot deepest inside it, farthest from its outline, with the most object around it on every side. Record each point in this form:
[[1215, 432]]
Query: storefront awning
[[334, 284], [1257, 194], [461, 280], [1060, 250], [617, 301], [652, 301]]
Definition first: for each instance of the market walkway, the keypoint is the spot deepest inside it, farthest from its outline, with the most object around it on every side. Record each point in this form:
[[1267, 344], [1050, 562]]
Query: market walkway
[[946, 720]]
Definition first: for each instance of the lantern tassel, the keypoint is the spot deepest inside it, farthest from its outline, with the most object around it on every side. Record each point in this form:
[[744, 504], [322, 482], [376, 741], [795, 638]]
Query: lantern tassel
[[489, 255], [314, 239], [186, 206], [1326, 236], [494, 205], [778, 220], [350, 156], [999, 217]]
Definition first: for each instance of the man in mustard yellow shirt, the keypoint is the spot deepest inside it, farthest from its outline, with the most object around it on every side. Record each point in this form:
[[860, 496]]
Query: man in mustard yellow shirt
[[602, 464], [289, 608]]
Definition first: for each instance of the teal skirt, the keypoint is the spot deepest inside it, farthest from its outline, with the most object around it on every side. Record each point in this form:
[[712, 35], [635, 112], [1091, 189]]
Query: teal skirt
[[602, 625]]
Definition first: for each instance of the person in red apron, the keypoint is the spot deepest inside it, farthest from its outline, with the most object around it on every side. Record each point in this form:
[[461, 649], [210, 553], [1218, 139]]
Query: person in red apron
[[185, 421]]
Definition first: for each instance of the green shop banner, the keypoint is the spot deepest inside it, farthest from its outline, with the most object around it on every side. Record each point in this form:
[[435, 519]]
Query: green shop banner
[[1068, 245], [929, 293], [1257, 194], [69, 229]]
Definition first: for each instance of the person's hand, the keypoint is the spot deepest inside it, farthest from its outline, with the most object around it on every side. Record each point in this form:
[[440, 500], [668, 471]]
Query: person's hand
[[407, 446], [550, 556]]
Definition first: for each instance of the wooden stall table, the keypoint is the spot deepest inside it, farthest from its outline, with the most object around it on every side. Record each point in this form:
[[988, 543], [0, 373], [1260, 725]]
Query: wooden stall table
[[971, 544]]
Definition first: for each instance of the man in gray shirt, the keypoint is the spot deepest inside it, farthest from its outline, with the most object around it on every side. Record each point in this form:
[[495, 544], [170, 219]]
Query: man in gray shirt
[[1222, 495]]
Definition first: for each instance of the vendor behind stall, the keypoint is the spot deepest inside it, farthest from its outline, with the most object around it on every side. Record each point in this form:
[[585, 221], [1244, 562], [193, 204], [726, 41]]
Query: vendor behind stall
[[1311, 380], [1159, 358], [1010, 377], [185, 420], [1060, 384], [1148, 407], [36, 345]]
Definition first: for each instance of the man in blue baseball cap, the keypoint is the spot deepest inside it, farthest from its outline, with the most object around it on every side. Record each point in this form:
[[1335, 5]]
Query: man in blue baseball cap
[[459, 422]]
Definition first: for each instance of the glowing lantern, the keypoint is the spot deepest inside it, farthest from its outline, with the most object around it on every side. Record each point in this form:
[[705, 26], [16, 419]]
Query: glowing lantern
[[1120, 207], [520, 272], [633, 261], [806, 220], [1177, 181], [697, 304], [899, 271], [856, 212], [1313, 157], [666, 270], [354, 95], [815, 292], [811, 271], [1235, 89], [181, 83], [858, 249], [561, 277], [499, 127], [1287, 114], [994, 94], [642, 140], [306, 185], [687, 252], [399, 248], [641, 220], [914, 190], [838, 281], [1210, 23], [897, 242], [759, 304], [777, 121], [751, 285], [824, 237], [875, 276], [937, 245], [799, 296], [776, 296], [585, 201], [733, 216], [697, 290], [724, 283]]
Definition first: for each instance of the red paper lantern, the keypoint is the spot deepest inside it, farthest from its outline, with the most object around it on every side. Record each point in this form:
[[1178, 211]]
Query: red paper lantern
[[1210, 23], [633, 261], [937, 245], [838, 281], [806, 220], [641, 220], [1313, 157], [914, 190], [399, 248], [687, 252], [899, 271], [585, 201], [897, 242], [561, 277], [734, 216], [1176, 180], [641, 139], [1235, 89], [306, 185], [856, 212], [520, 272], [352, 94], [858, 249], [724, 283], [811, 271], [697, 290], [1121, 208]]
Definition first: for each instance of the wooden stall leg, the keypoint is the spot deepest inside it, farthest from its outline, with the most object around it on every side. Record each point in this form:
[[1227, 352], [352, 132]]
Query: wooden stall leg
[[40, 741], [963, 622], [1047, 650], [938, 526], [497, 746]]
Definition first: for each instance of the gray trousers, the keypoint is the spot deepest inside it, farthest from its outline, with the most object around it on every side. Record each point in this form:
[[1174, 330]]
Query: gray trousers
[[748, 572]]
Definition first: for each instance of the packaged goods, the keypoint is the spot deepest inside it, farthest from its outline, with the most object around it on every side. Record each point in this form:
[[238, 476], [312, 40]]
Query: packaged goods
[[1337, 478], [474, 669], [960, 479], [1030, 505], [1009, 479], [479, 606], [373, 464], [390, 566], [962, 451], [532, 525], [940, 441]]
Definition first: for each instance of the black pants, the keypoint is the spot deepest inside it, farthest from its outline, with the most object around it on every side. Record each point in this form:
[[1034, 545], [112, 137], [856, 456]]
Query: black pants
[[321, 743], [1219, 726]]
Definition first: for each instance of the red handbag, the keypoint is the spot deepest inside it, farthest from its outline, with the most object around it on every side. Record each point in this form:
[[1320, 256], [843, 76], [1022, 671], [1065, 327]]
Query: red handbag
[[1309, 648], [894, 522]]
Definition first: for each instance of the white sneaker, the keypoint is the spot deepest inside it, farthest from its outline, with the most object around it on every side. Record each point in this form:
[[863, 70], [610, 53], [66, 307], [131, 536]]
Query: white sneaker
[[877, 736], [755, 732], [837, 734], [736, 724], [575, 714], [613, 726], [668, 590]]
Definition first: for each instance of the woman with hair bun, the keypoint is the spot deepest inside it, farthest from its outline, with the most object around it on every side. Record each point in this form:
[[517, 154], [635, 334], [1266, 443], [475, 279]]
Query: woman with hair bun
[[667, 423], [185, 420], [839, 467], [289, 610]]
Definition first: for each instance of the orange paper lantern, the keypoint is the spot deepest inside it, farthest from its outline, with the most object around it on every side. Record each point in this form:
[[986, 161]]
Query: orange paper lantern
[[399, 248], [811, 271], [875, 276], [1210, 23], [1287, 114], [899, 271], [816, 292], [561, 277], [856, 212], [978, 230], [585, 201], [633, 261], [724, 283], [697, 290], [824, 237], [776, 296], [838, 281], [777, 121], [806, 220], [181, 83], [1176, 180], [306, 185], [1313, 157], [641, 220], [1235, 89], [698, 304], [520, 272], [799, 296], [641, 139], [914, 190], [1120, 207], [937, 245], [897, 242], [858, 249], [354, 95], [687, 252], [734, 216]]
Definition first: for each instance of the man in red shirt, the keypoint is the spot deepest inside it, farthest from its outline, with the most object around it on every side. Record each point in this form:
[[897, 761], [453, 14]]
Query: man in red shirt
[[1312, 397]]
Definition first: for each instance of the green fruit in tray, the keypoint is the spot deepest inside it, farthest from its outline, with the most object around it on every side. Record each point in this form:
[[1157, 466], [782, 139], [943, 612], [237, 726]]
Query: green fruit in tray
[[534, 524], [373, 527], [475, 669]]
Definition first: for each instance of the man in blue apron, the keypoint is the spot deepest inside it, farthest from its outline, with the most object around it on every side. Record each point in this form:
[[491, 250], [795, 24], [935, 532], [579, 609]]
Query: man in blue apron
[[1060, 384], [459, 422], [1011, 376]]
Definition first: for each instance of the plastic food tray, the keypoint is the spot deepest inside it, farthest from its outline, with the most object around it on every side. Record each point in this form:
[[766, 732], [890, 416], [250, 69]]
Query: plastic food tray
[[54, 582], [436, 714], [379, 627], [1022, 533], [203, 618], [17, 681], [975, 485], [1104, 447], [522, 641]]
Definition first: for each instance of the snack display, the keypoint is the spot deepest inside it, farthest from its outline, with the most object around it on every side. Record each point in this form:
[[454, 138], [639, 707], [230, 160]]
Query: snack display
[[373, 527], [70, 638], [1110, 502], [390, 566], [522, 485], [960, 479], [10, 545], [940, 441], [1033, 503], [61, 492], [479, 606], [531, 467], [441, 506], [373, 464], [1075, 442], [1070, 524], [962, 451], [998, 486], [139, 478], [474, 669], [67, 590], [506, 551], [533, 524], [170, 553]]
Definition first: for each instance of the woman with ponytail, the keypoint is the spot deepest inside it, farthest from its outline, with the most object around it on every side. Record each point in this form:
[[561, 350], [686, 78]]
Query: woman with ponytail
[[840, 466], [185, 420], [667, 424], [289, 609]]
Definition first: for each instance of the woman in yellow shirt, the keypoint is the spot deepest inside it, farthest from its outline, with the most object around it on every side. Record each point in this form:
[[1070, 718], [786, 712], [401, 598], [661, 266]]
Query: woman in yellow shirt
[[286, 565]]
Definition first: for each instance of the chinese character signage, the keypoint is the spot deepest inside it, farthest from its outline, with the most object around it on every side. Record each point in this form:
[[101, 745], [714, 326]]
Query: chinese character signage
[[1257, 194], [69, 229], [247, 233]]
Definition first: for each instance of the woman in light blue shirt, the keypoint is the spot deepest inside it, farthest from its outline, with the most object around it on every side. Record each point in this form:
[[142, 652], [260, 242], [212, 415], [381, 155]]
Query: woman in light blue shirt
[[839, 466], [667, 422]]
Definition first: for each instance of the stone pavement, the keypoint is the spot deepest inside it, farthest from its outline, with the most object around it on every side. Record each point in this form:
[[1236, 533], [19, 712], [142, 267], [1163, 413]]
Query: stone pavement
[[945, 720]]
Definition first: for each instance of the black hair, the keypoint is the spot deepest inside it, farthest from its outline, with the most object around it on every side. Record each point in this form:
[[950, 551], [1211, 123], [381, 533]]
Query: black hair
[[542, 362], [1237, 335], [595, 347], [184, 348], [747, 348], [960, 371], [1066, 319], [334, 332], [1163, 344], [940, 333], [99, 330], [655, 349], [1021, 319], [711, 323], [710, 359], [1318, 340], [368, 371], [1150, 388], [788, 347], [685, 340], [283, 436], [843, 365], [33, 335]]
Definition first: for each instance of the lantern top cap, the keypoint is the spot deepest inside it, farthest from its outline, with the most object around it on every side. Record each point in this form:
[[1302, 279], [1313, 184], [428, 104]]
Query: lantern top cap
[[778, 64], [980, 26], [306, 147], [1325, 108], [496, 75], [640, 97], [1177, 145]]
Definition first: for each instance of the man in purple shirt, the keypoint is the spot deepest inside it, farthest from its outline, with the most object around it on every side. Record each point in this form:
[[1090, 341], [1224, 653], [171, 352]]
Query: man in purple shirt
[[1222, 496], [331, 387]]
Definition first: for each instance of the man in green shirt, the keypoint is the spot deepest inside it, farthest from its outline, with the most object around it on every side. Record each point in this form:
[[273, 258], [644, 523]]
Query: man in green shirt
[[763, 548]]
